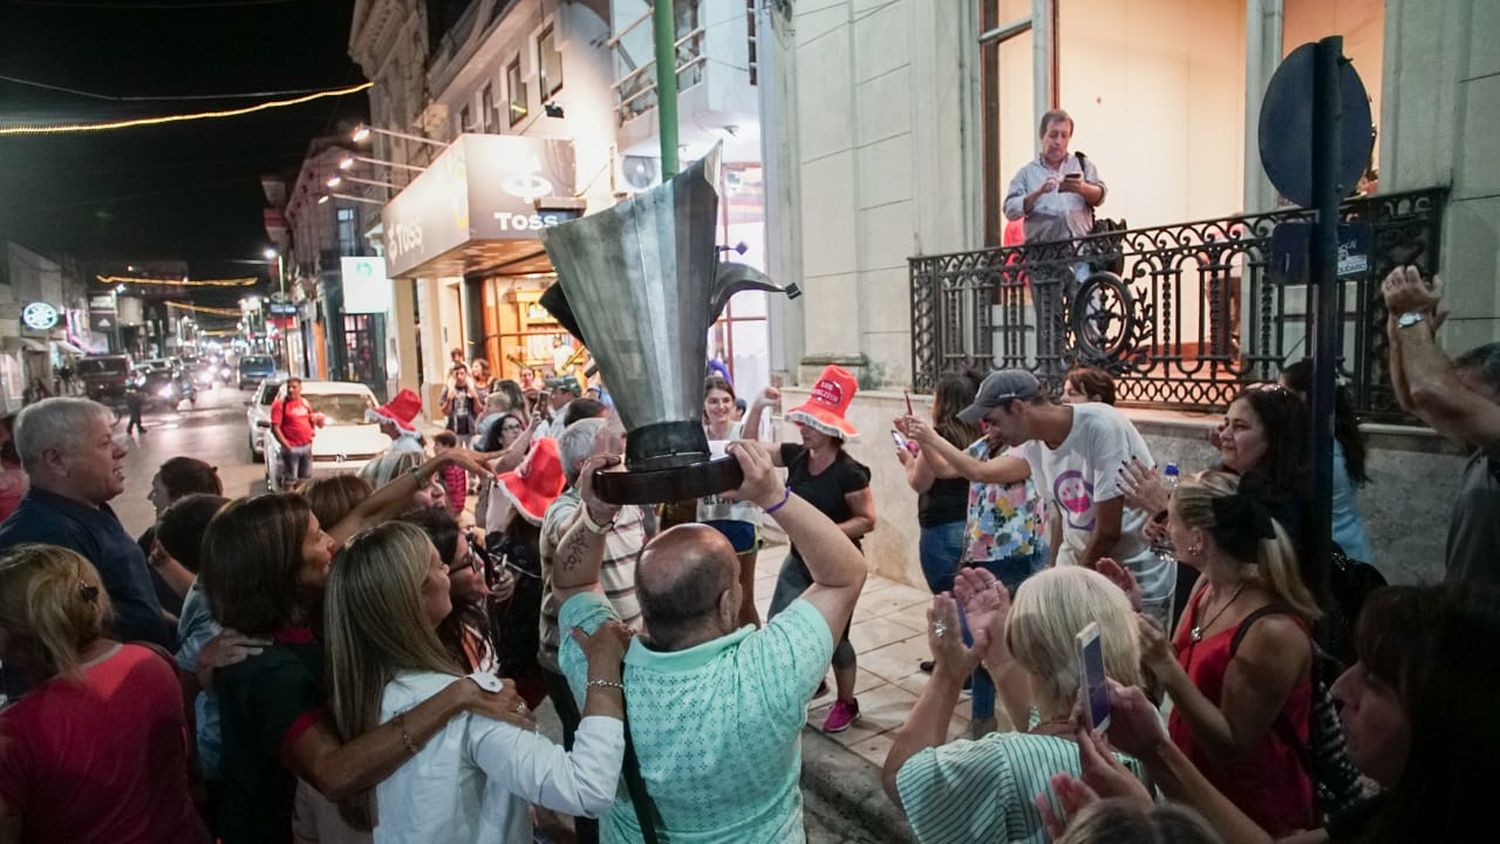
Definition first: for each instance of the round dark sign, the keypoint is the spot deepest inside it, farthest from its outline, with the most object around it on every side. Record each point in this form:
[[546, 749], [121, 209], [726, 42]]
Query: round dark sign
[[1286, 127]]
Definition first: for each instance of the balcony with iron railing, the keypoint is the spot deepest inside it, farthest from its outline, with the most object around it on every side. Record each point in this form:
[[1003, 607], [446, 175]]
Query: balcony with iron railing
[[634, 50], [1182, 315]]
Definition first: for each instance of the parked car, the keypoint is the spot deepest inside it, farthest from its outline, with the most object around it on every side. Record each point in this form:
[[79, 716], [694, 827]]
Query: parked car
[[258, 416], [345, 443], [104, 378], [254, 369]]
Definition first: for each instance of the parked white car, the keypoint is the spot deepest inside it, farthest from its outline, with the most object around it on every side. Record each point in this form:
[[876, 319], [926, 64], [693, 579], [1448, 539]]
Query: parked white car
[[344, 444], [258, 416]]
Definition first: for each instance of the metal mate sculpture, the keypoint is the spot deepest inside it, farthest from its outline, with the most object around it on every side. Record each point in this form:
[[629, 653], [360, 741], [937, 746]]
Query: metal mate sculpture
[[639, 284]]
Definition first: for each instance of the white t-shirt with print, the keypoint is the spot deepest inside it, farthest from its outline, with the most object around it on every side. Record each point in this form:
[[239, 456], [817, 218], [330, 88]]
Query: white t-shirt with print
[[1085, 470]]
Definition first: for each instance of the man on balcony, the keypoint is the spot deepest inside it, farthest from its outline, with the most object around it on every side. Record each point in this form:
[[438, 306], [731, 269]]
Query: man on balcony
[[1461, 401], [1055, 195]]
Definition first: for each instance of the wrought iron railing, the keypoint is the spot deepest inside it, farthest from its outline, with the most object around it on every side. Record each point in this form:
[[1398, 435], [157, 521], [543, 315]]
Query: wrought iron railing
[[1183, 316]]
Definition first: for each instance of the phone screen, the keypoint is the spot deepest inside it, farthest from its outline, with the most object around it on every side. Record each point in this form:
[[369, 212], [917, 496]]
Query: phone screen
[[1092, 686], [900, 440]]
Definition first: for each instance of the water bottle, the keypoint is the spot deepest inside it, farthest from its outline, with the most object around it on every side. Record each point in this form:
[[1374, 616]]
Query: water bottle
[[1163, 547]]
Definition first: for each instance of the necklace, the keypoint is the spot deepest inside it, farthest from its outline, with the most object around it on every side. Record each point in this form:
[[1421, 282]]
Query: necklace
[[1196, 634], [1049, 722]]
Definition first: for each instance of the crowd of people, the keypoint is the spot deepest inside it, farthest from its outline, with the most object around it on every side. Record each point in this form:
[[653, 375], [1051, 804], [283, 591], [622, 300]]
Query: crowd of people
[[360, 659]]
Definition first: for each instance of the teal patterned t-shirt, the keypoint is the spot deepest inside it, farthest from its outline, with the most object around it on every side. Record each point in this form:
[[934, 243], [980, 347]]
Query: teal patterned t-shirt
[[717, 727]]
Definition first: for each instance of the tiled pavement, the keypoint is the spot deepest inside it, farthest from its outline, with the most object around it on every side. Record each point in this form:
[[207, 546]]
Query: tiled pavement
[[841, 771]]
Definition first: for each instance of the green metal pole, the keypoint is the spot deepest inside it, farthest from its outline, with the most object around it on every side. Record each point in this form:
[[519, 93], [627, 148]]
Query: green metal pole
[[665, 29]]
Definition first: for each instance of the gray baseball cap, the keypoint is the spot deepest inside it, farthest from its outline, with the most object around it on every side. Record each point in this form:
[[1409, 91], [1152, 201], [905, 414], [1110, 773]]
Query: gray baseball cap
[[998, 388]]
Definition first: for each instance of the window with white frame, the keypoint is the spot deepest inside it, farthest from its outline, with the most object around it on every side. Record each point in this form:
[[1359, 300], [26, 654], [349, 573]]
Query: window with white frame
[[515, 92], [549, 63], [487, 108]]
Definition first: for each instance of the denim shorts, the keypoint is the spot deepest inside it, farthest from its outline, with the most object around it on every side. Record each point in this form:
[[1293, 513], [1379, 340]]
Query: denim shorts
[[744, 536]]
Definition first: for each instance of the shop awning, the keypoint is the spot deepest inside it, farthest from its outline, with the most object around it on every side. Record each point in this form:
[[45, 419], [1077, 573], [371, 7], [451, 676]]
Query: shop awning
[[69, 348], [29, 344], [480, 207]]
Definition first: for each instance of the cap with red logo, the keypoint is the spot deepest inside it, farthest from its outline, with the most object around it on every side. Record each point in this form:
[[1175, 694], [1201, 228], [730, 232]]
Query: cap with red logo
[[824, 410]]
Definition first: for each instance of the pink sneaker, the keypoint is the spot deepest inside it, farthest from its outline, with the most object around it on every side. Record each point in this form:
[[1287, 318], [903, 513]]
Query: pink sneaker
[[841, 716]]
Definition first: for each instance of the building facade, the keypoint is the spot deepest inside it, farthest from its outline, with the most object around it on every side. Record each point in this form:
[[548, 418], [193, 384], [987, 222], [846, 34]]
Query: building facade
[[898, 125]]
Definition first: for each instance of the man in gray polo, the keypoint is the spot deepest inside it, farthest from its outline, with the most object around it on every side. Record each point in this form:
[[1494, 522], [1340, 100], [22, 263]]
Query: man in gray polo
[[1055, 193]]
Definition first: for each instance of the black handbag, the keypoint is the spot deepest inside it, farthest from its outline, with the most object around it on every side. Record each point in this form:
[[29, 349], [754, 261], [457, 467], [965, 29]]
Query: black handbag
[[1338, 785], [1105, 246]]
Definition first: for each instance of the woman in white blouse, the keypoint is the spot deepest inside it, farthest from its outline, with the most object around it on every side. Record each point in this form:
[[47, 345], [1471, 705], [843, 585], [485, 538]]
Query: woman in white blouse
[[472, 781]]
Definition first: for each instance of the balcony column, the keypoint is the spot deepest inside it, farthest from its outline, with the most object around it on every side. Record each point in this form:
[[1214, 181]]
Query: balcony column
[[1263, 25]]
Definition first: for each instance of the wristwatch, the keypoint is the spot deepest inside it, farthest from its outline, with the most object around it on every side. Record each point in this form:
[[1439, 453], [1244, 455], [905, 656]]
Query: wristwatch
[[1410, 318]]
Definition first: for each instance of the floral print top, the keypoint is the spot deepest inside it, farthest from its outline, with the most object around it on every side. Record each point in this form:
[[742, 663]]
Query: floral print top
[[1005, 520]]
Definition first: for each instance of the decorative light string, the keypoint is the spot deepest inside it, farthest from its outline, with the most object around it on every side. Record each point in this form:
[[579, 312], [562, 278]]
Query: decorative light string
[[204, 309], [172, 282], [73, 128]]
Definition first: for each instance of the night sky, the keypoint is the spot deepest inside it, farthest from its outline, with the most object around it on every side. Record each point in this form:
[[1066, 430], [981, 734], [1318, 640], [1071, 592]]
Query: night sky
[[187, 191]]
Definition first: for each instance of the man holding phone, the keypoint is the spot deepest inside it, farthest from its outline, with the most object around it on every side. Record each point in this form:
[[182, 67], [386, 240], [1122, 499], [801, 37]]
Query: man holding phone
[[1055, 194]]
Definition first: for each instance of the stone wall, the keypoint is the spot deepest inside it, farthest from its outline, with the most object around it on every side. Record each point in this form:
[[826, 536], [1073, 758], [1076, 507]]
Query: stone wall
[[1414, 476]]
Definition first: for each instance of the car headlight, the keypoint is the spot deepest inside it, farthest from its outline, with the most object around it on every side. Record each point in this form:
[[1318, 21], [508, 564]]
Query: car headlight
[[166, 392]]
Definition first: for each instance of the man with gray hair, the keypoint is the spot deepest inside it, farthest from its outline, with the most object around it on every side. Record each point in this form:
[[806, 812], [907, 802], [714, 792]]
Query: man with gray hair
[[75, 467], [1461, 401], [623, 540]]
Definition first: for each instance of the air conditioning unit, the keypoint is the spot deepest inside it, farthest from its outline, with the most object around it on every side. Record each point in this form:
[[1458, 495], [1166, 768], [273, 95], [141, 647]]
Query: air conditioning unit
[[635, 173]]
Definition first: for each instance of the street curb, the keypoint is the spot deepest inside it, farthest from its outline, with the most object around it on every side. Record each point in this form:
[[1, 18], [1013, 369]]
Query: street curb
[[852, 787]]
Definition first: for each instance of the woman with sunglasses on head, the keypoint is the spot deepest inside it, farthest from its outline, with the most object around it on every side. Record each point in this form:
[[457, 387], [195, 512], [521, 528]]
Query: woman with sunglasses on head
[[473, 780], [97, 749], [1264, 436], [1239, 670]]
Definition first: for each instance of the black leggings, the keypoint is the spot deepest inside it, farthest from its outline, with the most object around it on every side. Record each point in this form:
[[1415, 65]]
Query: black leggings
[[791, 583]]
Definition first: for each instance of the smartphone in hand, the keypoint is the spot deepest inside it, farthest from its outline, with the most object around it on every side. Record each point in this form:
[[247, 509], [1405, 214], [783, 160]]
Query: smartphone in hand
[[1093, 689]]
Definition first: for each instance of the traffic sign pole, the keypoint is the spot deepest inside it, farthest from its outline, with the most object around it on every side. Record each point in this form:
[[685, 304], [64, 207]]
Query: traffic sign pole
[[1323, 296]]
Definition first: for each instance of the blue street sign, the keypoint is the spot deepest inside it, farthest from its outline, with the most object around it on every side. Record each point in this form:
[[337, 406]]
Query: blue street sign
[[1289, 247]]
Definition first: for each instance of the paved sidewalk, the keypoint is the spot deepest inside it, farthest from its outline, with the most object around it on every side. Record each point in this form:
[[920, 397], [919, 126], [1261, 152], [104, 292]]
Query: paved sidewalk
[[843, 770]]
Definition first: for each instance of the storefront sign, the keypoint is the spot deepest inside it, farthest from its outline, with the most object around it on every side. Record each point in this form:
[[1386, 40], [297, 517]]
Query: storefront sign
[[39, 316], [483, 187], [102, 302], [367, 289]]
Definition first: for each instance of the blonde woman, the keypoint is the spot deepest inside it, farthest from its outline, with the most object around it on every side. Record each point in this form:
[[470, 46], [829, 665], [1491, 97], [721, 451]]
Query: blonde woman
[[472, 781], [97, 750], [985, 789], [1239, 669]]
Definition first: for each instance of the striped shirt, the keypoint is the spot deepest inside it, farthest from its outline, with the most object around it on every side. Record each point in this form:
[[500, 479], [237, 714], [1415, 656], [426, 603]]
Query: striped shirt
[[982, 790], [622, 549]]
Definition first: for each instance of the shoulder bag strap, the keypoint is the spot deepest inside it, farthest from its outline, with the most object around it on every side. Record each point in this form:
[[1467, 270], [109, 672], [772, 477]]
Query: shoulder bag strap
[[646, 813], [1282, 725]]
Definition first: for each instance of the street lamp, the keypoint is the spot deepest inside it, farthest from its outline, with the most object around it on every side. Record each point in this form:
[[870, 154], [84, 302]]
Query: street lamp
[[335, 181], [362, 134], [347, 163], [350, 197], [286, 351]]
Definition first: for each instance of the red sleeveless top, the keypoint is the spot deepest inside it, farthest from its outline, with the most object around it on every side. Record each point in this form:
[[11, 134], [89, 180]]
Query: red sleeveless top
[[1268, 783]]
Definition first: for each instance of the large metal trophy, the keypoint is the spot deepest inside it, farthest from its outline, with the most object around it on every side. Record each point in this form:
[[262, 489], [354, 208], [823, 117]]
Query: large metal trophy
[[639, 284]]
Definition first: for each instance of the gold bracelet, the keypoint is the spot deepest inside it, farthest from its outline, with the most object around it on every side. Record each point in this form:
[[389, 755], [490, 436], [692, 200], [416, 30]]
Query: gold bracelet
[[405, 736]]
